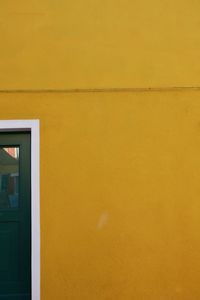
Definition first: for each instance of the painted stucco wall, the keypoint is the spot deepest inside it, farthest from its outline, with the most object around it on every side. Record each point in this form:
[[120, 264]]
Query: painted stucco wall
[[107, 43], [119, 193], [120, 169]]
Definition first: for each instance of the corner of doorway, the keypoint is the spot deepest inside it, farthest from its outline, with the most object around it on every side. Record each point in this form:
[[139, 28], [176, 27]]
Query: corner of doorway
[[32, 126]]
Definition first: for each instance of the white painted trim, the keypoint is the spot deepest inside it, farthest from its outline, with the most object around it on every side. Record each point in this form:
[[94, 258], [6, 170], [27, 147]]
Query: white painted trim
[[32, 126]]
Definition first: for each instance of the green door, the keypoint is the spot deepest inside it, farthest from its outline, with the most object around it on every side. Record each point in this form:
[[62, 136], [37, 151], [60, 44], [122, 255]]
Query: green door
[[15, 216]]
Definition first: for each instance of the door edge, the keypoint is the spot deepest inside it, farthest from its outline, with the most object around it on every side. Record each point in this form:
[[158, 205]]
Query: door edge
[[32, 126]]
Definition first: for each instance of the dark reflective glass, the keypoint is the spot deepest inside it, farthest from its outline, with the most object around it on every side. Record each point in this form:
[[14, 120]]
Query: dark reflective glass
[[9, 178]]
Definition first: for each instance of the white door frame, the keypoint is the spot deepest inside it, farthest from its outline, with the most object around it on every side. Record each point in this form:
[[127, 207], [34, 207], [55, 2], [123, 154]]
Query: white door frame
[[32, 126]]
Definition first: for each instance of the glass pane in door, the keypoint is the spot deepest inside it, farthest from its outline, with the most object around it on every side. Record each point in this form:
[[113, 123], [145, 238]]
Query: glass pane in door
[[9, 177]]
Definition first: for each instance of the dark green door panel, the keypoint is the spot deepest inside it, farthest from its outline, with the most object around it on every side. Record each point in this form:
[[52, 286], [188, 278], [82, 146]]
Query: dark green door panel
[[15, 217], [9, 251], [16, 297]]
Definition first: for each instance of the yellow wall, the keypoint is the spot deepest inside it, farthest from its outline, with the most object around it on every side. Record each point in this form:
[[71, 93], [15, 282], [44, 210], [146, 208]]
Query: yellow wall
[[120, 171], [99, 43], [119, 193]]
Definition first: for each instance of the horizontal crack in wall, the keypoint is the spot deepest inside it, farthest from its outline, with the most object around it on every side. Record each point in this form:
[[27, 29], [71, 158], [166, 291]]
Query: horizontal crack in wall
[[103, 90]]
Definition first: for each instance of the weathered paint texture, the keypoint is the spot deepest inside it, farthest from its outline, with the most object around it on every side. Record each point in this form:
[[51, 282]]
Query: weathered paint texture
[[120, 193]]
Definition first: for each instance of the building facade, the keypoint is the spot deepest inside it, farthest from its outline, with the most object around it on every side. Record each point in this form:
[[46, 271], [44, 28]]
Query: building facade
[[115, 86]]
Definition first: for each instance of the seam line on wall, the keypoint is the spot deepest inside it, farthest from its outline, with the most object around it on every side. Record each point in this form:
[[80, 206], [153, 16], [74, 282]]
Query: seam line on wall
[[103, 90]]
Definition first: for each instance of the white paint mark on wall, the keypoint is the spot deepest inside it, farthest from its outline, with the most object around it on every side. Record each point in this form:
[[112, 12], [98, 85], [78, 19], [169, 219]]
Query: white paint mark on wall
[[103, 220], [178, 290]]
